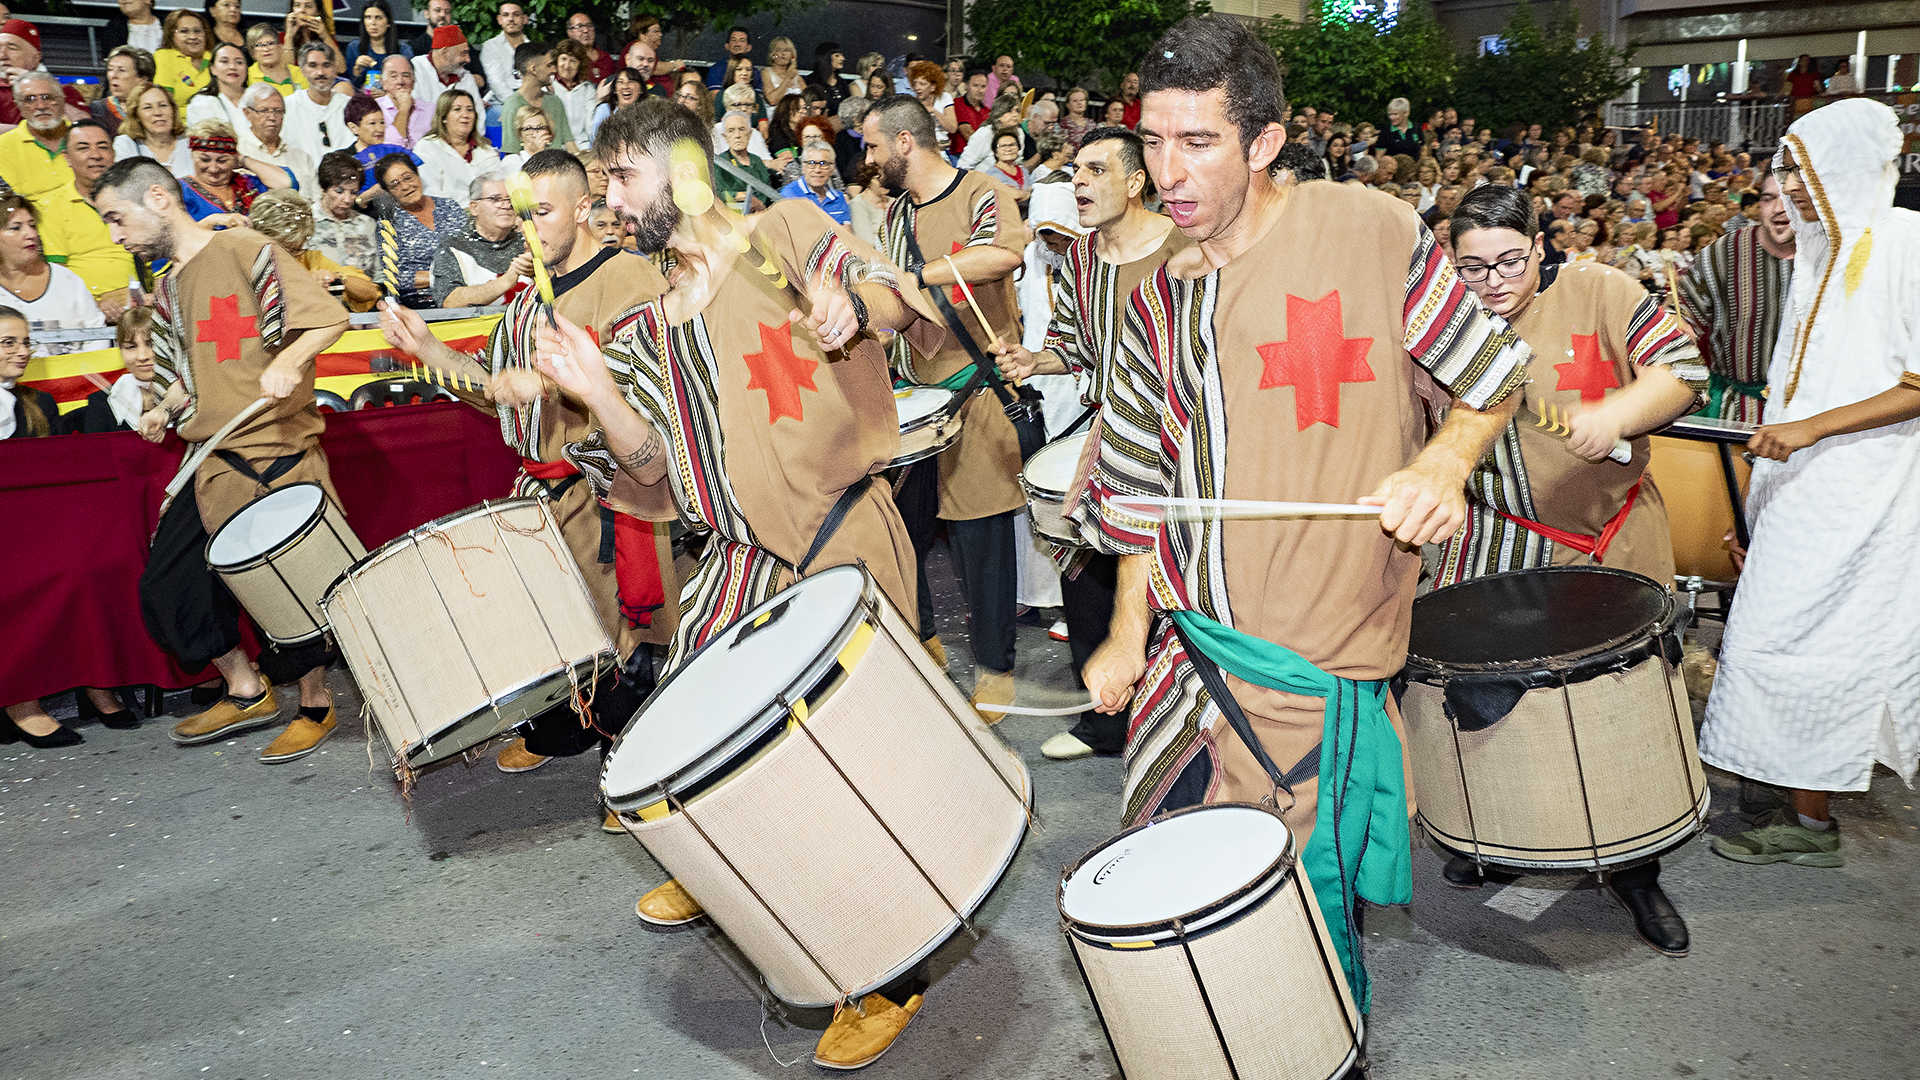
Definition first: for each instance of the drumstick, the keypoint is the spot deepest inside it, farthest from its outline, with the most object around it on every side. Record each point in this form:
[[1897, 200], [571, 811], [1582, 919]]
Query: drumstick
[[1200, 509], [1045, 710], [693, 195], [967, 291], [1554, 422], [201, 452], [520, 191]]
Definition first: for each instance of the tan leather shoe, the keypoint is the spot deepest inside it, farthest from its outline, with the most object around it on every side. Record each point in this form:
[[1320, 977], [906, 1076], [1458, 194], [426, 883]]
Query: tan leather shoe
[[854, 1041], [516, 758], [668, 905], [992, 688], [227, 717], [611, 824], [935, 650], [300, 738]]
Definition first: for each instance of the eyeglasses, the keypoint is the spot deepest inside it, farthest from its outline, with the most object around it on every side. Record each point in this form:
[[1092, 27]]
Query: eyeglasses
[[531, 128], [39, 99], [267, 111], [496, 200], [1783, 173], [820, 164], [1509, 268]]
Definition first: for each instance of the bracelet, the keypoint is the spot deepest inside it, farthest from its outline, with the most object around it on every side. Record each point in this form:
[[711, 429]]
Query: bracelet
[[859, 307]]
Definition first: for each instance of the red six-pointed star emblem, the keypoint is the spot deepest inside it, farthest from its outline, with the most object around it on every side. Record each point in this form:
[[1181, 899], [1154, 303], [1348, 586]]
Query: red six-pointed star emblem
[[225, 327], [780, 371], [1588, 372], [1315, 359]]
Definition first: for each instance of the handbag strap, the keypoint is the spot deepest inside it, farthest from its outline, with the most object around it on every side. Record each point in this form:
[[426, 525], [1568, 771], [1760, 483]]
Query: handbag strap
[[836, 516], [986, 372]]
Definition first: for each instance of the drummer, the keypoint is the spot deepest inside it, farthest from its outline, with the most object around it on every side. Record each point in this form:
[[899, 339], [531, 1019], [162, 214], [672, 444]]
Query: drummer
[[239, 319], [776, 427], [1123, 243], [627, 563], [1618, 365], [1732, 298], [1300, 328]]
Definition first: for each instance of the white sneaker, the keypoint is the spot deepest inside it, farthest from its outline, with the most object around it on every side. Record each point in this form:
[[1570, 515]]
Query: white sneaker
[[1058, 631], [1065, 746]]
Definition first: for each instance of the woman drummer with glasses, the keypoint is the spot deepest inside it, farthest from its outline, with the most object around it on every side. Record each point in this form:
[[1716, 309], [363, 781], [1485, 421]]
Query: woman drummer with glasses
[[1609, 365]]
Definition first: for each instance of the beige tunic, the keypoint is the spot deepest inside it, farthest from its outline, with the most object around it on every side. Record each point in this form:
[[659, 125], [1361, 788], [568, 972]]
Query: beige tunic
[[979, 472], [219, 321]]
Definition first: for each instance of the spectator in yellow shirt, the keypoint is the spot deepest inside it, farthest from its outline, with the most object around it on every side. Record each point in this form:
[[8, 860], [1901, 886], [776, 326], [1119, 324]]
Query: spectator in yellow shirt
[[33, 162], [270, 61], [182, 65]]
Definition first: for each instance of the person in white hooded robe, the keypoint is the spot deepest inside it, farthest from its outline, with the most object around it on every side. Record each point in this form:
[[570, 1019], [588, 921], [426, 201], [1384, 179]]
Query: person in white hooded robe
[[1820, 666]]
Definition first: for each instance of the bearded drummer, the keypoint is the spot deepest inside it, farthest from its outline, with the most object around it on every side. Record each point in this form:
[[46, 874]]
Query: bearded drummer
[[1282, 357], [775, 426], [1122, 244], [627, 563], [1616, 365], [237, 319]]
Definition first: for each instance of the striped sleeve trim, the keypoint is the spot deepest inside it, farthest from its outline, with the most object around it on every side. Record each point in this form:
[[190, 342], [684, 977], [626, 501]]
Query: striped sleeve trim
[[1063, 331], [1133, 447], [266, 290], [1656, 337], [1476, 356], [985, 220]]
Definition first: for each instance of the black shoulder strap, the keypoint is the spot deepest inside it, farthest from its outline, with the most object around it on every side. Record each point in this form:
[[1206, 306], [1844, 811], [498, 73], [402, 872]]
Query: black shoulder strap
[[985, 371], [835, 517], [1209, 672]]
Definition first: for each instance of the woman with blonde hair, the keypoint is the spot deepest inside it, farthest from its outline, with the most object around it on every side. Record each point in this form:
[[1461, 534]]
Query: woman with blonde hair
[[152, 130], [455, 149], [128, 69], [782, 75], [271, 63], [181, 65], [287, 219]]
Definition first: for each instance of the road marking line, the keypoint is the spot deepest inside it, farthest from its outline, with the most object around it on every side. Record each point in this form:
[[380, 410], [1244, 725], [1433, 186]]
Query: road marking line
[[1524, 902]]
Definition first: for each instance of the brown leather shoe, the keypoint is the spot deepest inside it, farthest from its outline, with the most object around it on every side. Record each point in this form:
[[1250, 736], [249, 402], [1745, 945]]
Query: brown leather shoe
[[992, 688], [227, 717], [854, 1041], [668, 905], [516, 758], [300, 738], [935, 650]]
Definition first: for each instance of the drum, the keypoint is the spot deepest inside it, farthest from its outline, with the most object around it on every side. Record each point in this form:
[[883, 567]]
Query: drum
[[1699, 510], [1045, 479], [1547, 720], [466, 627], [1205, 953], [929, 422], [278, 555], [822, 789]]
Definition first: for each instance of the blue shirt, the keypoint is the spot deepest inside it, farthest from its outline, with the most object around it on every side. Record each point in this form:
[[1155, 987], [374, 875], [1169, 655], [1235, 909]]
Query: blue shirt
[[372, 154], [200, 207], [835, 204]]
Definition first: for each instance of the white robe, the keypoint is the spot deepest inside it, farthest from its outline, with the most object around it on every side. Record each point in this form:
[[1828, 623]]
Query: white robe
[[1820, 666]]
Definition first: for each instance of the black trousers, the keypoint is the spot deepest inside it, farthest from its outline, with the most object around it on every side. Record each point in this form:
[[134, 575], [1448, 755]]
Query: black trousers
[[1088, 600], [983, 555], [559, 732]]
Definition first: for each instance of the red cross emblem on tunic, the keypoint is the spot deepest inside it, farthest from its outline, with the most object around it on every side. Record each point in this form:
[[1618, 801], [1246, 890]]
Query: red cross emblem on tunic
[[225, 327], [1588, 372], [780, 371], [1315, 359]]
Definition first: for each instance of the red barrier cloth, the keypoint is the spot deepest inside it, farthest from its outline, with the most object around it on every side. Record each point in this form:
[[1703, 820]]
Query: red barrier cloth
[[78, 510]]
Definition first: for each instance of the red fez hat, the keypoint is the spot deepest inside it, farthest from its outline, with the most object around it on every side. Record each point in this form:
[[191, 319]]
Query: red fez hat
[[446, 37], [23, 29]]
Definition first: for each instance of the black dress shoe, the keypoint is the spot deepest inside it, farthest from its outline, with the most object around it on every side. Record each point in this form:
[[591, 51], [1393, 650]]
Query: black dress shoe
[[122, 719], [1462, 873], [1654, 916], [60, 736]]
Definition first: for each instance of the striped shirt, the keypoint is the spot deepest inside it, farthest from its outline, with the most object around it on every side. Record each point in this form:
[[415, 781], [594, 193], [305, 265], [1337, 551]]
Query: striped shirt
[[1732, 297]]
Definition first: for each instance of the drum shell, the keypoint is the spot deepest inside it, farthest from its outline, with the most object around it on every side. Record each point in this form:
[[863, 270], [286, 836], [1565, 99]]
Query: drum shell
[[1699, 512], [1273, 954], [1046, 505], [926, 436], [467, 626], [1618, 746], [280, 588], [792, 826]]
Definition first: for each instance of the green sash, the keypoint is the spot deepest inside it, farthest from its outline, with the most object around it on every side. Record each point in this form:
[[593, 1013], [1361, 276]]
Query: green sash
[[958, 380], [1362, 845], [1717, 387]]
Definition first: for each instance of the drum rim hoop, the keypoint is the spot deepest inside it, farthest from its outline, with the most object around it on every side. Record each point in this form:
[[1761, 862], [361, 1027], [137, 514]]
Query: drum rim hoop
[[1271, 876], [407, 539], [947, 410], [1618, 652], [259, 559], [718, 753], [512, 694]]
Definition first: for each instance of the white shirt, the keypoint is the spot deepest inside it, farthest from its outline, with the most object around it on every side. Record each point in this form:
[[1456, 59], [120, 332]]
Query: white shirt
[[445, 174], [181, 164], [305, 170], [215, 107], [145, 37], [756, 144], [66, 305], [427, 87], [317, 130], [128, 399], [496, 59], [579, 104]]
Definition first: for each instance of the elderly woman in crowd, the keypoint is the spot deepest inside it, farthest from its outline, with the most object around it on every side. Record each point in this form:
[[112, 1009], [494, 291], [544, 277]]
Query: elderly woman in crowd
[[535, 130], [340, 231], [180, 65], [224, 183], [455, 150], [221, 98], [739, 99], [781, 76], [573, 85], [370, 144], [928, 83], [152, 129], [628, 86], [286, 218], [408, 120], [52, 297], [271, 63], [413, 225], [128, 69]]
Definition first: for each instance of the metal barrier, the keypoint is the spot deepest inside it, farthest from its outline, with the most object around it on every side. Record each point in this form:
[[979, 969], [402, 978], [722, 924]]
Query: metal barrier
[[1747, 123], [357, 321]]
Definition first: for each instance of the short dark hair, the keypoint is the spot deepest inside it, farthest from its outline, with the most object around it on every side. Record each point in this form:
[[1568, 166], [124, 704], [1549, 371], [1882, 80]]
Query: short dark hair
[[650, 126], [527, 53], [1495, 206], [359, 107], [388, 161], [554, 161], [732, 30], [339, 167], [904, 112], [1218, 52], [127, 174], [1300, 159], [1133, 152], [89, 122]]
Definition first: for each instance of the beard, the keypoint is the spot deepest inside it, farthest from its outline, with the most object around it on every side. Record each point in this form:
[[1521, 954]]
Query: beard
[[893, 174], [155, 241], [557, 254], [655, 224], [46, 125]]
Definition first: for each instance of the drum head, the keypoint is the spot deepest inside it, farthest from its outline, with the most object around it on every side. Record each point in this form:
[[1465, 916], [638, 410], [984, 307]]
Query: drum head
[[724, 696], [264, 524], [1051, 467], [919, 403], [1561, 612], [1192, 866]]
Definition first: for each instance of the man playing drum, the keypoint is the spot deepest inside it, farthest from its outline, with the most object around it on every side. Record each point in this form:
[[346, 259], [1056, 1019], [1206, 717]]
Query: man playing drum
[[1124, 243], [236, 319], [628, 563], [1542, 499], [1732, 298], [964, 226], [723, 405], [1282, 357]]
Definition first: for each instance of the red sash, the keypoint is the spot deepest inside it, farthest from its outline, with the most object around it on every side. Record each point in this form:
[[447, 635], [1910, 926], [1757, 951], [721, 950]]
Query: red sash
[[636, 569], [1595, 546]]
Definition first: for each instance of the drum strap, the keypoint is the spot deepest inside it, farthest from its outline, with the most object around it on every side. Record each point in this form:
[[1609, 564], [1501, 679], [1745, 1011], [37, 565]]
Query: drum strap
[[834, 519], [1303, 770], [1595, 546], [276, 468]]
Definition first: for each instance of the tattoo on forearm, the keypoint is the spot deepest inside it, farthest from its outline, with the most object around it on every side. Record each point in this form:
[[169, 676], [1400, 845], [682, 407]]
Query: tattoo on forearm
[[647, 452]]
